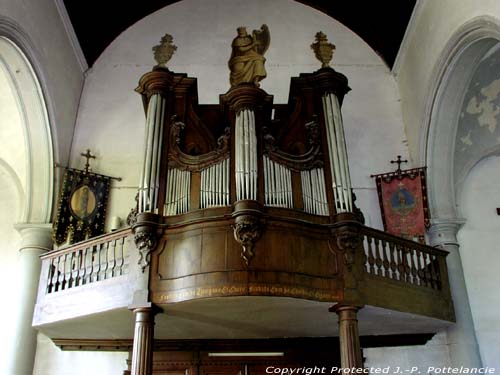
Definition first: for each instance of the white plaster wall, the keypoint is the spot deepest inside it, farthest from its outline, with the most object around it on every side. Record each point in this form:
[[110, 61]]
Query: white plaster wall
[[111, 118], [51, 360], [10, 240], [431, 29], [410, 359], [479, 242]]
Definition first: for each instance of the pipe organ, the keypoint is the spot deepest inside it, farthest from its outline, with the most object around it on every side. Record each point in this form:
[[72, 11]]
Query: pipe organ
[[200, 157]]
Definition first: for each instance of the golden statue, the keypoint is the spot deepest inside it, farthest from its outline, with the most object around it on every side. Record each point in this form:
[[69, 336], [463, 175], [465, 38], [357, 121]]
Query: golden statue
[[247, 57]]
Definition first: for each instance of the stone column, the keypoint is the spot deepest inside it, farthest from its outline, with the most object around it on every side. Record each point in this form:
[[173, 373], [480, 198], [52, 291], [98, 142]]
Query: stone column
[[350, 349], [461, 336], [142, 351], [36, 240]]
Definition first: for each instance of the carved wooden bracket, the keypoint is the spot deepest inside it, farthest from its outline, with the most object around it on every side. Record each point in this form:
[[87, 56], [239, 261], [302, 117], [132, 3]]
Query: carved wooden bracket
[[348, 240], [247, 231], [145, 237], [145, 242]]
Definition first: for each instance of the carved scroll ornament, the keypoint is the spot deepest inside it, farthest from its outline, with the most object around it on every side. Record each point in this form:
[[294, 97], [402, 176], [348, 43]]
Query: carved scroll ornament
[[312, 158], [181, 160]]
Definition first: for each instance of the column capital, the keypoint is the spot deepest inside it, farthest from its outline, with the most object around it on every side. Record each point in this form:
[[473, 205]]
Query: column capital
[[443, 232], [35, 236]]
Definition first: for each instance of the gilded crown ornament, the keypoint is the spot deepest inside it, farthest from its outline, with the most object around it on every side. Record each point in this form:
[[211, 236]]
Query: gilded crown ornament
[[323, 50], [164, 51]]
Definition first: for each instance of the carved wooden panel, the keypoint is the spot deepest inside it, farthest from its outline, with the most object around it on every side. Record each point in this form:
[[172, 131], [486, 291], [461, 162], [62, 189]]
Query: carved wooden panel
[[197, 261]]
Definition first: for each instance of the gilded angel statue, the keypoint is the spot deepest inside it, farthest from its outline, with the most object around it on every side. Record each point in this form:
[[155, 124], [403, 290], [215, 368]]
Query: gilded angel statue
[[247, 56]]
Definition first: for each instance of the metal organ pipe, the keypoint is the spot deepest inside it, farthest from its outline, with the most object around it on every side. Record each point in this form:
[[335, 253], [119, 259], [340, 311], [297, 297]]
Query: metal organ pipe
[[314, 191], [338, 154], [177, 192], [277, 184], [215, 185], [150, 175], [246, 155]]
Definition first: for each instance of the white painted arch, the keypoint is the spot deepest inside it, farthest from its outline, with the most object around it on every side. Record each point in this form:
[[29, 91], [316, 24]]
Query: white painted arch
[[19, 61], [449, 82]]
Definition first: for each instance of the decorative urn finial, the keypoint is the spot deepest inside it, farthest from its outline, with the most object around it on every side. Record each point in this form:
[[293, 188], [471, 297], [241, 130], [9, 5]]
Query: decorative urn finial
[[323, 50], [164, 51]]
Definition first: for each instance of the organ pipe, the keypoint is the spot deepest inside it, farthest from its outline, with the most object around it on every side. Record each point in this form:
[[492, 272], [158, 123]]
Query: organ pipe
[[214, 189], [339, 166], [246, 155], [150, 175], [177, 192]]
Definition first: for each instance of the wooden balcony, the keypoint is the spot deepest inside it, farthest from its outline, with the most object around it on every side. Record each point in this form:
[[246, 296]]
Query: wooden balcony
[[301, 266]]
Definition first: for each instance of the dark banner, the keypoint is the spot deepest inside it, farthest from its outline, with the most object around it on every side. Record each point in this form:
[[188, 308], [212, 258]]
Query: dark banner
[[403, 203], [82, 206]]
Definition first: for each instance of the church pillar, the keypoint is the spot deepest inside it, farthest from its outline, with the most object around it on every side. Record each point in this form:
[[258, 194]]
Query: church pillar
[[350, 349], [142, 351], [461, 336], [36, 240]]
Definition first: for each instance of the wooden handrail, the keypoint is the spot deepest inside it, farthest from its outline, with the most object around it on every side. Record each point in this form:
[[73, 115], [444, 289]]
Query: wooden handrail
[[88, 243], [408, 243]]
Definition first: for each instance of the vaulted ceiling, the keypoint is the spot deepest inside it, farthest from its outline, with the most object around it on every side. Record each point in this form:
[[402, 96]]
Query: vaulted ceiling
[[381, 24]]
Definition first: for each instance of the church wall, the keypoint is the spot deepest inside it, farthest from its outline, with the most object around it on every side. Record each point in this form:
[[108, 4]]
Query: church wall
[[433, 354], [63, 76], [480, 257], [433, 25], [432, 31], [36, 28], [111, 117]]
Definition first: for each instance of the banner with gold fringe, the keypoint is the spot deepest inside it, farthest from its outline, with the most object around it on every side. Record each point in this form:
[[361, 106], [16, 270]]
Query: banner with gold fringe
[[403, 202], [81, 208]]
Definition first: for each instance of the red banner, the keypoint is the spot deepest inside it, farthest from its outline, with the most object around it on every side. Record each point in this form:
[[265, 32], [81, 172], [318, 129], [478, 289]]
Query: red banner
[[403, 203]]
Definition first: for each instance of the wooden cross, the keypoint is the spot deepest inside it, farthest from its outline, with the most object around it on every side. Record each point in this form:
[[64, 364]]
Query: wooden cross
[[88, 156], [399, 161]]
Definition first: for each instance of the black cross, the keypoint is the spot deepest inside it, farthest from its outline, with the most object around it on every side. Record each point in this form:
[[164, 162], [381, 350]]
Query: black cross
[[89, 156], [399, 161]]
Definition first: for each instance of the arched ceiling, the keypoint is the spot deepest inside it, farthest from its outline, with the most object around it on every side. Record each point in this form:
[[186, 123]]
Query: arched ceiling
[[381, 24]]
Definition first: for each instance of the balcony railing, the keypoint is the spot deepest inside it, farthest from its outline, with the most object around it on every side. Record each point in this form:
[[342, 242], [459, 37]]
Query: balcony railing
[[404, 260], [87, 262]]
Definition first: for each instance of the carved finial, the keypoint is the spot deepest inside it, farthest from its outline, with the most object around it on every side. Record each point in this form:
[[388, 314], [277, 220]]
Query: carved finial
[[164, 51], [323, 50]]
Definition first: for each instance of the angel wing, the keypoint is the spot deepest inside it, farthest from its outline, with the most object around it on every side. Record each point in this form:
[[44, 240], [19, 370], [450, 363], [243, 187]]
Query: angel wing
[[262, 38]]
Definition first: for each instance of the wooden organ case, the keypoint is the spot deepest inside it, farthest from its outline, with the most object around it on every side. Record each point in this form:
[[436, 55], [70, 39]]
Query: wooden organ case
[[245, 194]]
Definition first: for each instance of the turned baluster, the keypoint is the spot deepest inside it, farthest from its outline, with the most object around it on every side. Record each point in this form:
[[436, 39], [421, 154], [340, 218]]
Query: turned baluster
[[413, 269], [371, 255], [385, 260], [378, 261], [113, 251], [106, 262], [393, 268], [122, 256], [98, 253]]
